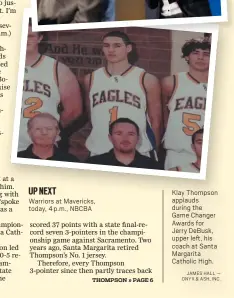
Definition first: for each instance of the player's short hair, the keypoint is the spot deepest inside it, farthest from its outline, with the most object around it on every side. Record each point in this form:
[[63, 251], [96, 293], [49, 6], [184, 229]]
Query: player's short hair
[[43, 45], [123, 120], [200, 131], [133, 55], [42, 116], [195, 44]]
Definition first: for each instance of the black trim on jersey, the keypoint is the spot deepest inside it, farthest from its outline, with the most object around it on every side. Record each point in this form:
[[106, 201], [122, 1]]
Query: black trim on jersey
[[121, 73], [149, 130], [90, 79], [143, 84], [126, 70], [56, 72], [174, 85], [109, 74], [193, 78], [37, 61], [195, 166]]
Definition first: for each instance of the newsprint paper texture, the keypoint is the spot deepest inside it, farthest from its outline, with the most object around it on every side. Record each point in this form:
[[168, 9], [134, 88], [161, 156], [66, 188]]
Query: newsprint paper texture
[[72, 232]]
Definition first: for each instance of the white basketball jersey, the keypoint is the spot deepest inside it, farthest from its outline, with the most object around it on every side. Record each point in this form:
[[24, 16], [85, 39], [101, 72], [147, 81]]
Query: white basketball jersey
[[113, 97], [190, 168], [187, 111], [40, 95]]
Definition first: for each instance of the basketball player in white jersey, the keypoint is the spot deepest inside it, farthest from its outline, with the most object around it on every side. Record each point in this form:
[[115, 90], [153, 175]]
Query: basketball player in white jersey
[[122, 90], [194, 167], [49, 87], [184, 103]]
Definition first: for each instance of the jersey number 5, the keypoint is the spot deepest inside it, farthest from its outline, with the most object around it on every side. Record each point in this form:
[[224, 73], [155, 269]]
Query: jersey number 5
[[34, 103], [190, 123], [113, 114]]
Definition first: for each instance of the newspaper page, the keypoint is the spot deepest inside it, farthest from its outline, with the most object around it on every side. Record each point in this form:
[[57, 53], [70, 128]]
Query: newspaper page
[[116, 148]]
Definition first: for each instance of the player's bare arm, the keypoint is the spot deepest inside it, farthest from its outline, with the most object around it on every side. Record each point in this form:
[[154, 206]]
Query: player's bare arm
[[87, 82], [70, 95], [153, 91], [167, 88]]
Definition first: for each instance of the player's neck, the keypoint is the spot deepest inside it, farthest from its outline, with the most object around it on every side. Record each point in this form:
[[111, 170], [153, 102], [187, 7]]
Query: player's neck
[[199, 76], [125, 158], [43, 152], [118, 68], [31, 58]]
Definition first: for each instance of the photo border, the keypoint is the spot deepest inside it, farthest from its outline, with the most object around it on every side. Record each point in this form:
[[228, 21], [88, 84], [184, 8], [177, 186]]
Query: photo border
[[206, 28], [132, 23]]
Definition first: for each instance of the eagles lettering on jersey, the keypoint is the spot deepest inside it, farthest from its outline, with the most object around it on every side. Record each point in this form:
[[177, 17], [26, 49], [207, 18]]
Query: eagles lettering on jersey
[[37, 87], [113, 97], [191, 102], [40, 95], [187, 113], [116, 96]]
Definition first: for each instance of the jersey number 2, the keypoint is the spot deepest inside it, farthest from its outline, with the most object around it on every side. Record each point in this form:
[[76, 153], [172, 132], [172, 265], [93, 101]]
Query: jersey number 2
[[34, 103], [113, 114], [190, 123]]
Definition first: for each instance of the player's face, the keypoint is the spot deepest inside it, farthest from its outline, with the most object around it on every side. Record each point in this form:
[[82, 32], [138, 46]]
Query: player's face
[[115, 49], [34, 39], [124, 137], [197, 146], [43, 131], [199, 60]]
